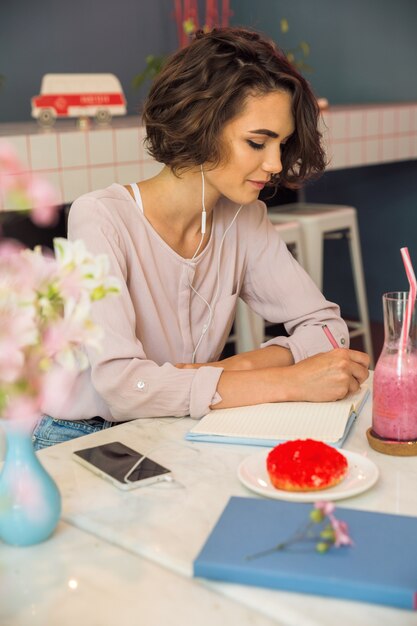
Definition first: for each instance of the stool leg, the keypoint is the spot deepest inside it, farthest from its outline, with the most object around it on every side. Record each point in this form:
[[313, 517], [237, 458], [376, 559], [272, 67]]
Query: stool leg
[[249, 328], [313, 253], [359, 282]]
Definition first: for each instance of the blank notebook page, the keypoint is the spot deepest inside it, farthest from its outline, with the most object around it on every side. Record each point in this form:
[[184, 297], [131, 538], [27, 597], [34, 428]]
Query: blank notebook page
[[325, 421]]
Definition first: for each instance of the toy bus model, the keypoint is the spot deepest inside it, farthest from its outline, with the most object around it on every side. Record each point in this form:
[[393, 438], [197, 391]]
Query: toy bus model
[[78, 95]]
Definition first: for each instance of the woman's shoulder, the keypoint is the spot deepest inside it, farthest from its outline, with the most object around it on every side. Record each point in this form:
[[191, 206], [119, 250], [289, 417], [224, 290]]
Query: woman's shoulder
[[113, 203], [115, 195]]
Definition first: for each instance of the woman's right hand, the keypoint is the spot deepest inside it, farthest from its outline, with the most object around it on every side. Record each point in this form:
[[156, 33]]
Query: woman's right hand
[[327, 376]]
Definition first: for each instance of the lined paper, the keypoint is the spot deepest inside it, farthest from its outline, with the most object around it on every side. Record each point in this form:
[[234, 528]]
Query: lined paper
[[324, 421]]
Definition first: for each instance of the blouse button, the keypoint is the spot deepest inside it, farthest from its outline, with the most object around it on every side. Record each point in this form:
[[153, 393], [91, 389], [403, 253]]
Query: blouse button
[[141, 384], [342, 341]]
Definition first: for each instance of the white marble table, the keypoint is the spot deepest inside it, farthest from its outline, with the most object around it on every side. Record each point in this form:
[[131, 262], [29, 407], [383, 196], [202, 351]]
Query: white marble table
[[169, 524], [77, 578]]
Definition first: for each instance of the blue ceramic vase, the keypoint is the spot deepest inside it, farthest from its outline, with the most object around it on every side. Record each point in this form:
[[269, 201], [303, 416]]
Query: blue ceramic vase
[[30, 503]]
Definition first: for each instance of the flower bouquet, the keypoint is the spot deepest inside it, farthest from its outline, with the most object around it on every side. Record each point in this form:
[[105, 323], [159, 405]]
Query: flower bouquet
[[45, 324], [45, 321]]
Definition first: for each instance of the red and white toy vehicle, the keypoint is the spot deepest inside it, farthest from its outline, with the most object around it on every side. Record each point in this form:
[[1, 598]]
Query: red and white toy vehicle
[[78, 95]]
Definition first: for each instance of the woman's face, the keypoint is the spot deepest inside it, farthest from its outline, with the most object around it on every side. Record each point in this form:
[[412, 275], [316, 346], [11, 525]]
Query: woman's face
[[252, 142]]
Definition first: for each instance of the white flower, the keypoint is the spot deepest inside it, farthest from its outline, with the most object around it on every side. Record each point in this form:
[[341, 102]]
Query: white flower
[[45, 316]]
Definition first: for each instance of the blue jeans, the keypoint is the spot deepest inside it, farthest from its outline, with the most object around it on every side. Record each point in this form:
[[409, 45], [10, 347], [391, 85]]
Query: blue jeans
[[50, 431]]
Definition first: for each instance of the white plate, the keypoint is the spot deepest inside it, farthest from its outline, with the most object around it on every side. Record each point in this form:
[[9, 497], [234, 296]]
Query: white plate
[[362, 474]]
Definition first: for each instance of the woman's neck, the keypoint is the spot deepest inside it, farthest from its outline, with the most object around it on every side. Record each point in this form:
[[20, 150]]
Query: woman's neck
[[173, 205], [177, 200]]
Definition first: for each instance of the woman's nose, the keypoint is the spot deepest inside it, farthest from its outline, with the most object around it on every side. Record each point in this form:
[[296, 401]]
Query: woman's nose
[[273, 164]]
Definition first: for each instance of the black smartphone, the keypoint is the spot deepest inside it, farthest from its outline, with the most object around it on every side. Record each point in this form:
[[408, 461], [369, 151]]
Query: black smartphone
[[114, 462]]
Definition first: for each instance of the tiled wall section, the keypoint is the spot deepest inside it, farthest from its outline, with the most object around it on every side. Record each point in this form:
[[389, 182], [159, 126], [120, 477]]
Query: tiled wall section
[[78, 161], [369, 135]]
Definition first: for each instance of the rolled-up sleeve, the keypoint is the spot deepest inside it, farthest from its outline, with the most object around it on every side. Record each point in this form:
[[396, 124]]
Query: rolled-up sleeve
[[134, 388], [280, 290]]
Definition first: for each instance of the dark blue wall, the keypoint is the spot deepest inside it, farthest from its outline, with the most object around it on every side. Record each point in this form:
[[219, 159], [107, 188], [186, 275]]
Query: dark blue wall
[[42, 36], [361, 51]]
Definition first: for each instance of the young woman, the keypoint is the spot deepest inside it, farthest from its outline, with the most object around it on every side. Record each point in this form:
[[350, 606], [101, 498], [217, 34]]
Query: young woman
[[227, 116]]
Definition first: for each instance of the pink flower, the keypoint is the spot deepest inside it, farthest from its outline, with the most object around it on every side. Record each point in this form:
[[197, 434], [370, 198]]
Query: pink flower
[[9, 161], [326, 508], [58, 389], [341, 532], [340, 529], [23, 408], [45, 322], [10, 247], [17, 330], [25, 192], [44, 202]]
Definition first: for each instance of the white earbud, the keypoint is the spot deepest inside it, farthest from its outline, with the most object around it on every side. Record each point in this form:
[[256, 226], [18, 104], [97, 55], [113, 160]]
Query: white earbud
[[203, 210]]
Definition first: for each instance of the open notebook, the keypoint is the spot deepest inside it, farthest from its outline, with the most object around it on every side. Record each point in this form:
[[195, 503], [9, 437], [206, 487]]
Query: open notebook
[[270, 424]]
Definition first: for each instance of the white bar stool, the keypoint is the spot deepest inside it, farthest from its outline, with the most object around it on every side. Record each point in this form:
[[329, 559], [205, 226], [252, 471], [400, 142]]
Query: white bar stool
[[250, 327], [321, 221]]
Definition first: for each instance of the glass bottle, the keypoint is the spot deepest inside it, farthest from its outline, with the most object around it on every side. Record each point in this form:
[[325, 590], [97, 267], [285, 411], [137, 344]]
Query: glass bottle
[[394, 417]]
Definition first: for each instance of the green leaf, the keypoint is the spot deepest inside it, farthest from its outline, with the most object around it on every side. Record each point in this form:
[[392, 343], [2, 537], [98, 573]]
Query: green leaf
[[316, 516], [322, 547], [153, 67], [285, 27]]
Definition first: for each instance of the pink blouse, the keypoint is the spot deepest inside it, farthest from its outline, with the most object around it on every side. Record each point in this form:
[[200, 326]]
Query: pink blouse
[[158, 319]]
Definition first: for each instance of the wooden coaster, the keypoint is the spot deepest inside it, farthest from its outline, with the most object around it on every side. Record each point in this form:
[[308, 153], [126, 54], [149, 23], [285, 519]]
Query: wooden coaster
[[388, 446]]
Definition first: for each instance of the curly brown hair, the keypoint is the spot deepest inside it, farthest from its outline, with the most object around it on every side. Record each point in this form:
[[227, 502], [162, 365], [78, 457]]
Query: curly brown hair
[[205, 85]]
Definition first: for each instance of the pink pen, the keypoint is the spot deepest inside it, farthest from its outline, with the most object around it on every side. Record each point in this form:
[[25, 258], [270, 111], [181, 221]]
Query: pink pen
[[330, 336]]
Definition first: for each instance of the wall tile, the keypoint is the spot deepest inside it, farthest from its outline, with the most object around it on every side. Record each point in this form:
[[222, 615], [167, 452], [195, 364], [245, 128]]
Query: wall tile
[[126, 174], [20, 146], [102, 177], [100, 147], [388, 121], [73, 149], [127, 145], [372, 123], [75, 183], [151, 168], [355, 124], [43, 151]]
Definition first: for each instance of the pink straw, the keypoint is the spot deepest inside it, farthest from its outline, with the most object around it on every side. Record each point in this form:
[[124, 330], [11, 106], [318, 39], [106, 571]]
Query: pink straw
[[411, 297]]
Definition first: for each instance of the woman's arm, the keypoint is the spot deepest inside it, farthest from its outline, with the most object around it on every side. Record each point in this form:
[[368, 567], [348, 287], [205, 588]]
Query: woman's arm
[[321, 378], [272, 356], [266, 375]]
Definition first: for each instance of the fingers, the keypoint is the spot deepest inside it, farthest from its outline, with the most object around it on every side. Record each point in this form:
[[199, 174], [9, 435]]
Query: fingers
[[354, 365], [359, 372], [359, 357], [354, 385]]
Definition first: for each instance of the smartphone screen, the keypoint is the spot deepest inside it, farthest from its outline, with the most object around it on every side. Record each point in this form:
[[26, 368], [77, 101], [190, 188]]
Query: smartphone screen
[[115, 459]]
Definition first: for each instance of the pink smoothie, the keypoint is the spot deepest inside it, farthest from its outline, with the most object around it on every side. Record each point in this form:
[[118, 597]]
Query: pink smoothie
[[395, 398]]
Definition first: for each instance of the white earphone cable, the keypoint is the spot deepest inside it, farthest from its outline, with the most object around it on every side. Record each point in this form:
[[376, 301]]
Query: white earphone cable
[[203, 230], [210, 308]]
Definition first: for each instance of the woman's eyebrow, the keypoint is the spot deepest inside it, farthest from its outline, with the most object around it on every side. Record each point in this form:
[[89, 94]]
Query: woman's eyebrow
[[265, 131]]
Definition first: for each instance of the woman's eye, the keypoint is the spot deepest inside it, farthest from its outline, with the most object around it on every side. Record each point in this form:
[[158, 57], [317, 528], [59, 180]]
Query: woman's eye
[[256, 146]]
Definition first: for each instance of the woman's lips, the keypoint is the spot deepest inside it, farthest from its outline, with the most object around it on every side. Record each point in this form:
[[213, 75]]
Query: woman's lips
[[258, 184]]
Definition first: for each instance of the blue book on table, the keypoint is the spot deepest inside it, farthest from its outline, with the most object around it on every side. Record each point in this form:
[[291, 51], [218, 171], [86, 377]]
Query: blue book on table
[[381, 566]]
